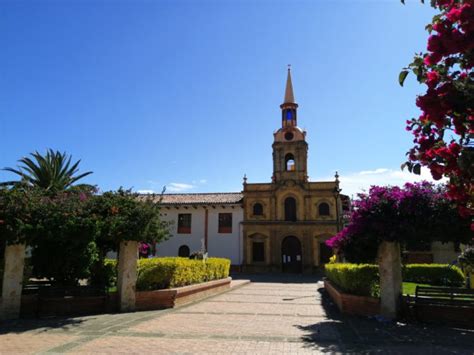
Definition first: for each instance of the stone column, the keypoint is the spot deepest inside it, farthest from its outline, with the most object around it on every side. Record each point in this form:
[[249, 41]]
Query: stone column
[[127, 275], [12, 281], [390, 271]]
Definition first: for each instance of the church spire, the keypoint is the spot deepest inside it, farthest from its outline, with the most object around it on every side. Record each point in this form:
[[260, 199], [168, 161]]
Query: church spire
[[289, 96], [289, 106]]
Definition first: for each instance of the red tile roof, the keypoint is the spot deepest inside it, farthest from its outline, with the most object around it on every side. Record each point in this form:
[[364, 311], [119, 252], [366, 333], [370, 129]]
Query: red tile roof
[[201, 198]]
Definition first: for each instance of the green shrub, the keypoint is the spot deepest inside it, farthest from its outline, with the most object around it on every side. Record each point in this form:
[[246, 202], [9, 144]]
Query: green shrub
[[433, 274], [110, 271], [358, 279], [363, 279], [160, 273]]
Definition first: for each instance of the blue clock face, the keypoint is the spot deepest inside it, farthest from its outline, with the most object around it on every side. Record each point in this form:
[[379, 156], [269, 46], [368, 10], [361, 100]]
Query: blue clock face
[[289, 115]]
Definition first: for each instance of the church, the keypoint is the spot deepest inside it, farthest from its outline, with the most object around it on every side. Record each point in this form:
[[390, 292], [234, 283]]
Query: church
[[276, 226]]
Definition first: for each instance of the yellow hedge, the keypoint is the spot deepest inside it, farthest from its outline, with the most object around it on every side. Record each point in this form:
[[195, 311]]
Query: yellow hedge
[[358, 279], [160, 273], [363, 279]]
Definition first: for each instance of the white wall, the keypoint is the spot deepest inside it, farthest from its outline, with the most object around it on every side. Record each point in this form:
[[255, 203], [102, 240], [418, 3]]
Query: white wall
[[444, 253], [226, 245], [219, 245]]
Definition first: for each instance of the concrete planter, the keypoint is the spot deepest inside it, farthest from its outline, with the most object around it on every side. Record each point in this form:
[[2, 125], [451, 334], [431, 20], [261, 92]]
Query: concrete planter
[[175, 297], [32, 307], [352, 304]]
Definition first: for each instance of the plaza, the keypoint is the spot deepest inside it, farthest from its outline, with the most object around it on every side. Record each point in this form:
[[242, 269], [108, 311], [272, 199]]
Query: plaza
[[273, 314]]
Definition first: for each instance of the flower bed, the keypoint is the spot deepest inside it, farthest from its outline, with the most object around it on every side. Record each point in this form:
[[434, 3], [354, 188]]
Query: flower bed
[[162, 283], [174, 297]]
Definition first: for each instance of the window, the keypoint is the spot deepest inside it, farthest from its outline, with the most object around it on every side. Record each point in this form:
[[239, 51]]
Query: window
[[323, 209], [290, 209], [290, 162], [257, 209], [184, 223], [225, 222], [183, 251], [258, 251]]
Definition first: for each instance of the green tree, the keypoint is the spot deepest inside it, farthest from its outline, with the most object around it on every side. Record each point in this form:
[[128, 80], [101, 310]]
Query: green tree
[[52, 172], [122, 215]]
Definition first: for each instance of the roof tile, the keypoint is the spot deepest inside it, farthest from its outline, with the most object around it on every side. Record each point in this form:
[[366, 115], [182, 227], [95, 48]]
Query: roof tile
[[201, 198]]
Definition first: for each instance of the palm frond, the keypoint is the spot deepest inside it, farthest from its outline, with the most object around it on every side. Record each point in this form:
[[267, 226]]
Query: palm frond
[[51, 171]]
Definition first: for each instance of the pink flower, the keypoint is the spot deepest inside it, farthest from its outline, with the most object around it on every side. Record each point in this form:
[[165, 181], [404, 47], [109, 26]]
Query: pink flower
[[434, 43], [432, 59], [432, 78], [454, 14]]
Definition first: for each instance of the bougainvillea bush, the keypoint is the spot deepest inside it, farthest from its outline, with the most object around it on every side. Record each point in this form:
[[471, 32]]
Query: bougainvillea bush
[[444, 132], [413, 214], [70, 231]]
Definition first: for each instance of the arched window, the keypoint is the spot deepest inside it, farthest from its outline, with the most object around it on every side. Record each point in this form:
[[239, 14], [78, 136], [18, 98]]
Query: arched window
[[257, 209], [290, 209], [323, 209], [183, 251], [290, 162]]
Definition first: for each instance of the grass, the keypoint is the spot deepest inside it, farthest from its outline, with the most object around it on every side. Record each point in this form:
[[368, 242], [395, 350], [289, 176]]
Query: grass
[[409, 288]]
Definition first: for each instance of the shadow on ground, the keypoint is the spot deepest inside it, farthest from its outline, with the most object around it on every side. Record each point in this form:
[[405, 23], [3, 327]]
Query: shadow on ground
[[342, 333], [40, 325]]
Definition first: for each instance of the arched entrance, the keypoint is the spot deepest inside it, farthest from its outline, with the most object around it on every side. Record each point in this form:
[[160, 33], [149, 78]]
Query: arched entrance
[[292, 260]]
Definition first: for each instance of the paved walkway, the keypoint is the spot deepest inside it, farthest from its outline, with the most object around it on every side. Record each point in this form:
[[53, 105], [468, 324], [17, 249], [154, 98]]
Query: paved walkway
[[272, 315]]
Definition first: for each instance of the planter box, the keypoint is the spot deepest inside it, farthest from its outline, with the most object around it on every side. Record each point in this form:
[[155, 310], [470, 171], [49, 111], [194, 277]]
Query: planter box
[[353, 304], [32, 306], [175, 297]]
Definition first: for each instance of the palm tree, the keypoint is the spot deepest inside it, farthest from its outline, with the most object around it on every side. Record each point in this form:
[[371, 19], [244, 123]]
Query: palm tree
[[52, 172]]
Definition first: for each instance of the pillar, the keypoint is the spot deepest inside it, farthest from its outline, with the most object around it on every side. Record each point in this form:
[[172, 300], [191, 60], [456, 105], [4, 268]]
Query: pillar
[[12, 281], [127, 275], [390, 270]]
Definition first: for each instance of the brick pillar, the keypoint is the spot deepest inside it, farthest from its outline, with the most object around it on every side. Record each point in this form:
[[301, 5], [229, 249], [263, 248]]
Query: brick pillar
[[12, 281], [127, 275], [390, 270]]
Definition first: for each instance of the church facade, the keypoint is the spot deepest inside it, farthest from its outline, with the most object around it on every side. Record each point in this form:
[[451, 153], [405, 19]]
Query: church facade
[[277, 226], [286, 221]]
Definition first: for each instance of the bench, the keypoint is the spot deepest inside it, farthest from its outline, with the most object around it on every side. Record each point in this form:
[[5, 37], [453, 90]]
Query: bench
[[32, 287], [449, 303], [73, 300], [444, 296]]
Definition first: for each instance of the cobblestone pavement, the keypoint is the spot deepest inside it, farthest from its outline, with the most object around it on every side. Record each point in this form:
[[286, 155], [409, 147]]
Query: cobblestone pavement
[[274, 314]]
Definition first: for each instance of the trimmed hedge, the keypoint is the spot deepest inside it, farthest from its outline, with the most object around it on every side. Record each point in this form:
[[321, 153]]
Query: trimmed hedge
[[433, 274], [161, 273], [357, 279], [110, 272], [363, 279]]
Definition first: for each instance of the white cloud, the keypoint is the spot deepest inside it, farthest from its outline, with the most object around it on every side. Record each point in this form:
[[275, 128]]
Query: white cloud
[[376, 171], [356, 182], [201, 182], [178, 187]]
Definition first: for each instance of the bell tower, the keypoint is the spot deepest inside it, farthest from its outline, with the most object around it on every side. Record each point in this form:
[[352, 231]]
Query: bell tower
[[290, 150]]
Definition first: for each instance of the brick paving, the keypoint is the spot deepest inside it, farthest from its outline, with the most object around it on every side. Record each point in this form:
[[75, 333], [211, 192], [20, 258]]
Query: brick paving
[[275, 314]]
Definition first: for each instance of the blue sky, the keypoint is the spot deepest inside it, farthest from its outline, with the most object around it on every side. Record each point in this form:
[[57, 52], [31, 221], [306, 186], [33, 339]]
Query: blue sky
[[187, 93]]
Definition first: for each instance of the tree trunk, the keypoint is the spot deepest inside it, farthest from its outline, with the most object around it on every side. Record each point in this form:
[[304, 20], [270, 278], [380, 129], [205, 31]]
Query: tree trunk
[[127, 275], [12, 281], [390, 270]]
